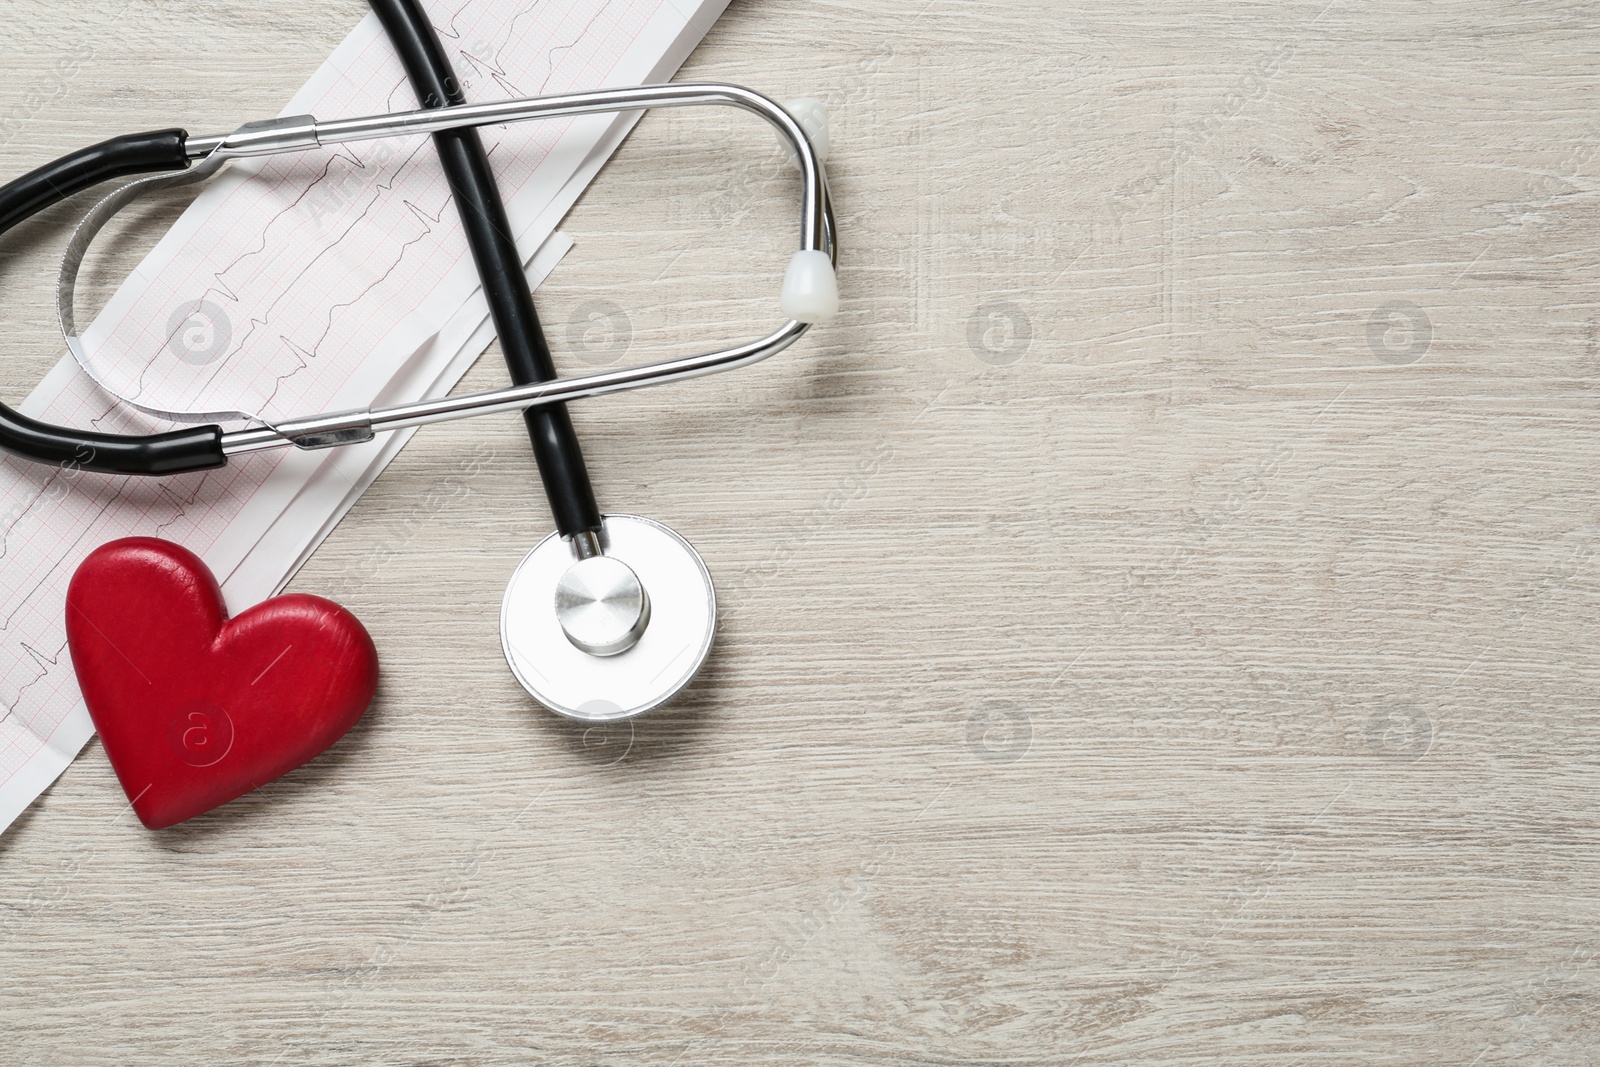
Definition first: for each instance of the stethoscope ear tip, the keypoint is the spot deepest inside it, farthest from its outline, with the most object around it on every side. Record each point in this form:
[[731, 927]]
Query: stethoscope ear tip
[[812, 115], [810, 288]]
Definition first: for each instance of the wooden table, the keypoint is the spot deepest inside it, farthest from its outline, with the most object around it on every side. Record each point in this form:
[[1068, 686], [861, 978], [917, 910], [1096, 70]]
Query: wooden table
[[1159, 616]]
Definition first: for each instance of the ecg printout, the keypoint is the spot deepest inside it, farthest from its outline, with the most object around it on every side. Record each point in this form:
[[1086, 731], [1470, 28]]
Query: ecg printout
[[294, 285]]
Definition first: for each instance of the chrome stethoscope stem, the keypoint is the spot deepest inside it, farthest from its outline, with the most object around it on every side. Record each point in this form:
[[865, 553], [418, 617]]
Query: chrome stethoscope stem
[[303, 132], [351, 427]]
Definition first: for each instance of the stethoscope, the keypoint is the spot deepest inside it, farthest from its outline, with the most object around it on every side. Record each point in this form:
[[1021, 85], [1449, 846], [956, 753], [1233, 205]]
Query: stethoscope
[[611, 615]]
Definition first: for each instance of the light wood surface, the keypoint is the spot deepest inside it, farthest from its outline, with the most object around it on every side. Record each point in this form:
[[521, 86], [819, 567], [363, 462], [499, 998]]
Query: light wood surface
[[1159, 616]]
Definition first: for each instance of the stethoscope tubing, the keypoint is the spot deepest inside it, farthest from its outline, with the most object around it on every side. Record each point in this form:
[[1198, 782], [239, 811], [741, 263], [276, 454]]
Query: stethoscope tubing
[[494, 251]]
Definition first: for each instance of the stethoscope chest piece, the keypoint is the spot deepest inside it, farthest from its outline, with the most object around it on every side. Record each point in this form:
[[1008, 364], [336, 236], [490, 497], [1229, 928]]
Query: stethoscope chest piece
[[611, 628]]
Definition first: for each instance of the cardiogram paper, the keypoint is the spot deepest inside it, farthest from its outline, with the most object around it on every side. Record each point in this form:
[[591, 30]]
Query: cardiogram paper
[[295, 285]]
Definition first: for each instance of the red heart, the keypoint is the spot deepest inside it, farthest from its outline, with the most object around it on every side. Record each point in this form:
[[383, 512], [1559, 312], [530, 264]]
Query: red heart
[[193, 708]]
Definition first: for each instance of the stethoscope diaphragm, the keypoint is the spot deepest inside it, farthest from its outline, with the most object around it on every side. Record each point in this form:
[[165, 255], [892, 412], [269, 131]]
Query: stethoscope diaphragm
[[565, 611]]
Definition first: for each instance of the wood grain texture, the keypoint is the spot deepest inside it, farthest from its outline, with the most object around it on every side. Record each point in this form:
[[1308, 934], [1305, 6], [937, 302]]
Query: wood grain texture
[[1159, 616]]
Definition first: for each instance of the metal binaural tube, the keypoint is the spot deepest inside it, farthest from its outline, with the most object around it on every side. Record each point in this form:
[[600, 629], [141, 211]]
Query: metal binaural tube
[[297, 134], [302, 133], [326, 431]]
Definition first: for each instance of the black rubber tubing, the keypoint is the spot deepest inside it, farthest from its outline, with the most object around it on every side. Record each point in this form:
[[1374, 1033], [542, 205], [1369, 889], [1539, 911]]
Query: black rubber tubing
[[135, 153], [196, 448], [483, 216]]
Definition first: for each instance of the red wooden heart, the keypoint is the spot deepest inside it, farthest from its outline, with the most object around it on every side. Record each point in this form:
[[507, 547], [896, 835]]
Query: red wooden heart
[[193, 708]]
